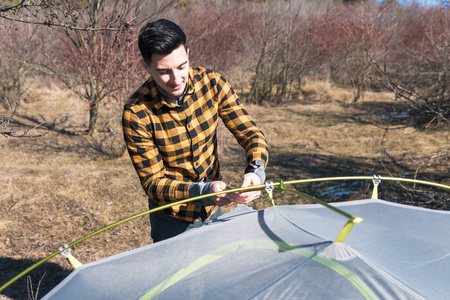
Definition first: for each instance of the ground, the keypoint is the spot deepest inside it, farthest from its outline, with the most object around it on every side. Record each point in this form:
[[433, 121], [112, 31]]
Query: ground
[[63, 185]]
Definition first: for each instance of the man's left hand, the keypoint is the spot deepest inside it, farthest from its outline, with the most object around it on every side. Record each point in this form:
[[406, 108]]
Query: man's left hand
[[247, 197]]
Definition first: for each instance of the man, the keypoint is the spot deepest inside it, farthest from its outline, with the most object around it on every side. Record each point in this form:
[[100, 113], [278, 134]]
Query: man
[[169, 126]]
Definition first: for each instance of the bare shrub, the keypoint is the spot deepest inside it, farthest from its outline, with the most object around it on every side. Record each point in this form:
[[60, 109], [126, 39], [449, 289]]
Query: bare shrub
[[20, 43], [282, 34], [415, 63]]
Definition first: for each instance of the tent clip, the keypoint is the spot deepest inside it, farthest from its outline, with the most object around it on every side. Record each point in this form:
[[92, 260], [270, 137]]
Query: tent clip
[[269, 189], [269, 186], [67, 253], [376, 181]]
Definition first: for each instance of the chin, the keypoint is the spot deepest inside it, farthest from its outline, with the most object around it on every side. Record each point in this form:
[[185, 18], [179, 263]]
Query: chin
[[176, 95], [178, 92]]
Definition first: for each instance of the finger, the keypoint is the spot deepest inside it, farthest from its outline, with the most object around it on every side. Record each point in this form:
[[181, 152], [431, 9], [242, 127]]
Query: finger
[[224, 197], [245, 198], [241, 196], [252, 196]]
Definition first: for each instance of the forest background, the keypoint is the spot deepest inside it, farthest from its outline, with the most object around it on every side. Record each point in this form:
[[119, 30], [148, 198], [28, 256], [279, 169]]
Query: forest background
[[338, 88]]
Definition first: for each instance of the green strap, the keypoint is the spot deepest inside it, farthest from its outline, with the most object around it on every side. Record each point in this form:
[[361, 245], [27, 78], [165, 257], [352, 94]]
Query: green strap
[[257, 244], [352, 278]]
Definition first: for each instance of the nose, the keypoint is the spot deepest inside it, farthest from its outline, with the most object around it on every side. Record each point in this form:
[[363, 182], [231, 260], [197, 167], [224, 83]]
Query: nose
[[175, 77]]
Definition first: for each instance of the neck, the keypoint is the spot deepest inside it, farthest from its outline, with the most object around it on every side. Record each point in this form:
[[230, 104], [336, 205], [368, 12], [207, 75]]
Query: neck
[[172, 98]]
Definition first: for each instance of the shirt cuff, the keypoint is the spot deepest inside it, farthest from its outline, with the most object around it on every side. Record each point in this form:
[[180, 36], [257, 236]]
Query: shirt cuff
[[200, 189], [258, 168]]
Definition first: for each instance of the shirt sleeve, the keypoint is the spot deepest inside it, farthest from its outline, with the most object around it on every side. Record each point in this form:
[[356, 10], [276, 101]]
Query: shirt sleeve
[[200, 189], [258, 168], [240, 123], [148, 162]]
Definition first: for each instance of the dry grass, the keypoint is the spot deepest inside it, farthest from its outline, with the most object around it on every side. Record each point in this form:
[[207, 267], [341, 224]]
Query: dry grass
[[64, 185], [324, 91]]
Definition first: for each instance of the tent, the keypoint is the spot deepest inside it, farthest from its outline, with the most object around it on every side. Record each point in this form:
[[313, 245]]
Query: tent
[[283, 252]]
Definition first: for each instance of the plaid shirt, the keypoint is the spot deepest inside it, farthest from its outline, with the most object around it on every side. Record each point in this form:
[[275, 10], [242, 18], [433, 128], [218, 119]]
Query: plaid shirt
[[172, 146]]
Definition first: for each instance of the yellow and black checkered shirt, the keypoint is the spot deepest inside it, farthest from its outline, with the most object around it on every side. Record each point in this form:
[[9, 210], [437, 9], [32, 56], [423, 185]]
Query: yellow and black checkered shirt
[[172, 145]]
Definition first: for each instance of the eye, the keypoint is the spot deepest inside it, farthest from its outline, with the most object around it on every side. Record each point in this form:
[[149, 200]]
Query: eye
[[183, 66]]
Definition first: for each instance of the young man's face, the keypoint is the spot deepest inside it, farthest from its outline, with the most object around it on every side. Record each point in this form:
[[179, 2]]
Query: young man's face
[[171, 71]]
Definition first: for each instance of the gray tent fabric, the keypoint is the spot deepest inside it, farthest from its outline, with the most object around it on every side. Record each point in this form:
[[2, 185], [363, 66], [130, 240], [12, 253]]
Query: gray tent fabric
[[283, 252]]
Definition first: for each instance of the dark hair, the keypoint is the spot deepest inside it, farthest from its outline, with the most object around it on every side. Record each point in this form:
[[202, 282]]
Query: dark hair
[[160, 37]]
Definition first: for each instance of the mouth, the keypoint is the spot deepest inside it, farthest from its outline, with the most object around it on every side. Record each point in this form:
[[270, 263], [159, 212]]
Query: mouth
[[176, 87]]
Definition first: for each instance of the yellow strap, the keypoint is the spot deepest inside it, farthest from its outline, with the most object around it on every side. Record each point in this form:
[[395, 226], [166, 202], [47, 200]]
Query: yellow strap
[[376, 181], [67, 253], [73, 261], [342, 236], [271, 197], [351, 219]]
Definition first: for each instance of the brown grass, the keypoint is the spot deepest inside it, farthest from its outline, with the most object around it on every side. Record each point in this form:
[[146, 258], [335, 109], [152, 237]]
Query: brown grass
[[64, 185]]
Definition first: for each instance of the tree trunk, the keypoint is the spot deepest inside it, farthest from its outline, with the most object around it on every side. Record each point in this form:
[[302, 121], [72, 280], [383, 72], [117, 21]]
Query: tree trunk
[[93, 118]]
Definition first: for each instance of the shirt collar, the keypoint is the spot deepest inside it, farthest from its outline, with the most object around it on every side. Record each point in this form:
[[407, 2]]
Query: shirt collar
[[166, 96]]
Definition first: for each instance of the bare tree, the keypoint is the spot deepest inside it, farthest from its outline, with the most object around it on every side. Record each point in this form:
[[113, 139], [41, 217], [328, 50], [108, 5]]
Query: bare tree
[[92, 63], [93, 51], [63, 14]]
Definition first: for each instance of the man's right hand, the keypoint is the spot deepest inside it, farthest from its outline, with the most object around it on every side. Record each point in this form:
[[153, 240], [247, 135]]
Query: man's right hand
[[222, 199]]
